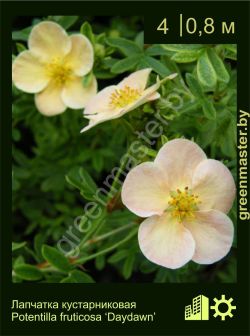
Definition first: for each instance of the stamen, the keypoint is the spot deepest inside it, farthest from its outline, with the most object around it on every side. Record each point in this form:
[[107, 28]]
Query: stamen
[[58, 71], [123, 97], [183, 204]]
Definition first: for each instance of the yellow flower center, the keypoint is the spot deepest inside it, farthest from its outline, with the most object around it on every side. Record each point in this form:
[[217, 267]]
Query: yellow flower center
[[183, 204], [123, 97], [58, 71]]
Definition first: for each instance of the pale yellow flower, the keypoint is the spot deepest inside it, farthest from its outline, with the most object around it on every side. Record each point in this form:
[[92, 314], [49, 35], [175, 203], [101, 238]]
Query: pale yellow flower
[[116, 100], [53, 67], [186, 198]]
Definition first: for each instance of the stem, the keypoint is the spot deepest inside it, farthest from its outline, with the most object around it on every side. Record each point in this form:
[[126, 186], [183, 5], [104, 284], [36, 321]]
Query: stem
[[51, 269], [108, 234], [110, 194], [46, 267], [92, 230], [108, 249], [97, 229]]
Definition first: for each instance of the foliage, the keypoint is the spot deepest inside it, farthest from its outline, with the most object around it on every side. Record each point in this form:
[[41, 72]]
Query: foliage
[[57, 170]]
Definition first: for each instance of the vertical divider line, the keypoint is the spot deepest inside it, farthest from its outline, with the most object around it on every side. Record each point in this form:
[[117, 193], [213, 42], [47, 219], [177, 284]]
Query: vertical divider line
[[181, 24]]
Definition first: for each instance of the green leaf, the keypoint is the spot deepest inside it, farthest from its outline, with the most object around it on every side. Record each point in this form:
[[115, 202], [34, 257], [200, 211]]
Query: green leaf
[[103, 74], [100, 38], [208, 109], [182, 47], [53, 182], [17, 246], [39, 240], [126, 64], [164, 139], [87, 80], [231, 47], [99, 51], [80, 179], [147, 267], [162, 275], [87, 180], [157, 66], [66, 21], [28, 272], [139, 40], [128, 266], [20, 47], [116, 257], [21, 35], [16, 134], [87, 31], [56, 258], [186, 56], [97, 161], [194, 86], [230, 55], [228, 140], [78, 277], [100, 262], [205, 71], [53, 278], [108, 62], [19, 261], [127, 47], [156, 50], [207, 132], [219, 66]]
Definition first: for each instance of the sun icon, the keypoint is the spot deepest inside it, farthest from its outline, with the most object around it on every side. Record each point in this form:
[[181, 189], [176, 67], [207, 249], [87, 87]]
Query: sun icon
[[223, 307]]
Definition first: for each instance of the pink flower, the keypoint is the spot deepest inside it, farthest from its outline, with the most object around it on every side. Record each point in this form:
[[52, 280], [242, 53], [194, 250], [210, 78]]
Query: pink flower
[[186, 198]]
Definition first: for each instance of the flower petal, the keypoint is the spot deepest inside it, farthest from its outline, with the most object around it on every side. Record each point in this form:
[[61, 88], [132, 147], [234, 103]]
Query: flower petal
[[48, 40], [28, 73], [49, 101], [144, 190], [214, 183], [81, 56], [89, 126], [75, 95], [166, 242], [151, 91], [154, 96], [148, 95], [98, 119], [137, 80], [100, 103], [213, 234], [178, 159], [98, 108]]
